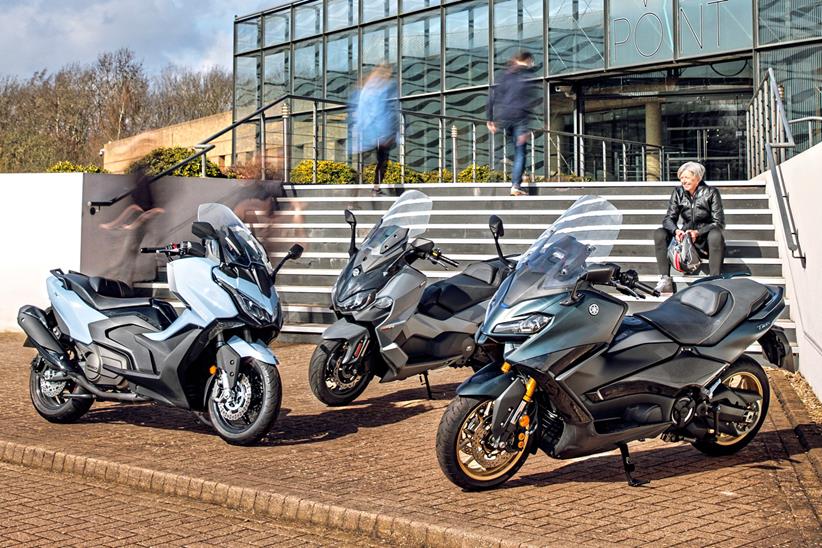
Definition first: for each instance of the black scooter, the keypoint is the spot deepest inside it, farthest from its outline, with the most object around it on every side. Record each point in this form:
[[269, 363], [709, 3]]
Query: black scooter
[[581, 377]]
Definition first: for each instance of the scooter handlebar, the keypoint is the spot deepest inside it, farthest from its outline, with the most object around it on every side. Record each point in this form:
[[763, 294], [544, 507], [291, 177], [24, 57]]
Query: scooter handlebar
[[647, 289]]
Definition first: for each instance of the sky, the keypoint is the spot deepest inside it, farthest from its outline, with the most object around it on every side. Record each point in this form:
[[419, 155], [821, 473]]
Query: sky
[[48, 34]]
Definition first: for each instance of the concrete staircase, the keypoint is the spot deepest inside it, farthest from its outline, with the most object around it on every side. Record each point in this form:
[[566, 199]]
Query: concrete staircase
[[313, 216]]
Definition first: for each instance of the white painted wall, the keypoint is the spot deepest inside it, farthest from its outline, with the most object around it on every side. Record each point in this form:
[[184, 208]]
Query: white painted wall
[[802, 179], [40, 220]]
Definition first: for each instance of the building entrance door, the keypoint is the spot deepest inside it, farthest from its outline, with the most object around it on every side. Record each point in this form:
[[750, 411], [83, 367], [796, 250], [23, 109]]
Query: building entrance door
[[718, 148]]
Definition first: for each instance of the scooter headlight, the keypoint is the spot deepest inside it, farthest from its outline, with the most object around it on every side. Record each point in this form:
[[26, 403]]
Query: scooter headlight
[[357, 301], [524, 326], [254, 310]]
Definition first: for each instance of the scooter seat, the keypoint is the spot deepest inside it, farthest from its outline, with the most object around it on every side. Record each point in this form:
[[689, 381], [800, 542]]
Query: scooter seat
[[477, 283], [704, 314], [104, 293]]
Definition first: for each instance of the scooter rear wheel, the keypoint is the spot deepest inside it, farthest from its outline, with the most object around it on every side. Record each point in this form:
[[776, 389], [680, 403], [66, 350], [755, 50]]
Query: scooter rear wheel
[[744, 374], [333, 383], [52, 400], [463, 451], [246, 413]]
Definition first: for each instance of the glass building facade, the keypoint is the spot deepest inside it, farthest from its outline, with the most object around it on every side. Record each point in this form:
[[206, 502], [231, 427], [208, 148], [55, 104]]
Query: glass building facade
[[677, 73]]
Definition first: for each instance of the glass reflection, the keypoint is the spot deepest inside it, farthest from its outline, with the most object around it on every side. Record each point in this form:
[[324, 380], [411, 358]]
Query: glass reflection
[[379, 45], [466, 45], [377, 9], [641, 31], [246, 84], [421, 54], [308, 69], [277, 28], [275, 74], [341, 14], [707, 26], [518, 26], [422, 134], [308, 20], [247, 35], [780, 20], [576, 37], [411, 5], [341, 59]]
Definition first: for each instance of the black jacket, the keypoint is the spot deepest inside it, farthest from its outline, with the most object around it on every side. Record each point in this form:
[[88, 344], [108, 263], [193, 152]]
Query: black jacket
[[512, 99], [702, 212]]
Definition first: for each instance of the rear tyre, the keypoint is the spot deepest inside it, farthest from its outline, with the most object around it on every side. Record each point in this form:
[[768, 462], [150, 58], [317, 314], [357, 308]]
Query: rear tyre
[[53, 400], [242, 415], [333, 383], [744, 374], [463, 451]]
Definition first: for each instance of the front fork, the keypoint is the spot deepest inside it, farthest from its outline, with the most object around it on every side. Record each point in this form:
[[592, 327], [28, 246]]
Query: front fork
[[512, 413]]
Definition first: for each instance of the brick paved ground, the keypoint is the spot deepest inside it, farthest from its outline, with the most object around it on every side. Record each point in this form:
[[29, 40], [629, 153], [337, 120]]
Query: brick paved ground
[[46, 509], [378, 456]]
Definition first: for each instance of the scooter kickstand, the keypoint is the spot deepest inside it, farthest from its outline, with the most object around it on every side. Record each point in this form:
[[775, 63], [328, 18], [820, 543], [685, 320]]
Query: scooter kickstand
[[629, 466], [424, 377]]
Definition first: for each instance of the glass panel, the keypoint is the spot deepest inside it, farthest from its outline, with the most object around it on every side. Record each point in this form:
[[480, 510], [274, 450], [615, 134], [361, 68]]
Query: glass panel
[[247, 35], [410, 5], [466, 45], [576, 35], [342, 65], [277, 28], [246, 84], [708, 26], [379, 45], [275, 74], [780, 20], [308, 69], [308, 20], [421, 54], [467, 104], [341, 14], [518, 26], [797, 70], [641, 31], [377, 9], [421, 134]]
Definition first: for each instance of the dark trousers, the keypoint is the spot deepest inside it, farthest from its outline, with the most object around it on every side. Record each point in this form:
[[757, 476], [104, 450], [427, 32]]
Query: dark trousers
[[383, 151], [711, 244]]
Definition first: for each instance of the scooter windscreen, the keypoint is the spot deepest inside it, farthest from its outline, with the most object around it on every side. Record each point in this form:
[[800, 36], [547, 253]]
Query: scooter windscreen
[[240, 247], [586, 232], [406, 219]]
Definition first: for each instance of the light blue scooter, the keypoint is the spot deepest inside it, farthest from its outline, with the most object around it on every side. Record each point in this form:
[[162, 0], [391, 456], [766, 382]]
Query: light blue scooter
[[99, 342]]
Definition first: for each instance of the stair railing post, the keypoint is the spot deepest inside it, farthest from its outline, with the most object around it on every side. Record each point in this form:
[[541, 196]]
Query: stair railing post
[[533, 159], [559, 159], [402, 148], [440, 148], [504, 154], [286, 153], [262, 146], [604, 163], [644, 166], [748, 143], [473, 152], [624, 163], [315, 142], [454, 152]]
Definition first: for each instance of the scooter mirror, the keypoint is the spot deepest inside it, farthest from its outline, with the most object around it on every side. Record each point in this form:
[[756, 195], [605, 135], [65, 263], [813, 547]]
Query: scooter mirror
[[295, 252], [495, 224], [422, 244], [203, 230], [599, 274], [350, 218]]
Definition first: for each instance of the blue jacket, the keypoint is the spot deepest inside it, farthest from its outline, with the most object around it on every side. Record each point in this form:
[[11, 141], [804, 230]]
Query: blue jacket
[[374, 116]]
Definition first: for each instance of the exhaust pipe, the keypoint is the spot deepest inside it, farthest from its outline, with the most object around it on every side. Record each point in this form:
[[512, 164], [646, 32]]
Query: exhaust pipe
[[33, 322]]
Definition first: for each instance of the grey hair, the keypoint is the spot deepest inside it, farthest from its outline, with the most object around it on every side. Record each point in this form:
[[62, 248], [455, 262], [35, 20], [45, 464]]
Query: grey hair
[[694, 167]]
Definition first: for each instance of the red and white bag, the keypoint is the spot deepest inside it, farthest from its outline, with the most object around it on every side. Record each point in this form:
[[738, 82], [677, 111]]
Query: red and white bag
[[683, 256]]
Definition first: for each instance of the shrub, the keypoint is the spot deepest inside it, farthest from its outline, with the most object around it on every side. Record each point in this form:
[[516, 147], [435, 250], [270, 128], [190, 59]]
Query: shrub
[[484, 174], [393, 174], [160, 159], [67, 166], [433, 176], [328, 173]]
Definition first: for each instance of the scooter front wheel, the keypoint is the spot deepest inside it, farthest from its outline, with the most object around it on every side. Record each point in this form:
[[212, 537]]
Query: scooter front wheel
[[463, 450], [244, 413], [333, 382]]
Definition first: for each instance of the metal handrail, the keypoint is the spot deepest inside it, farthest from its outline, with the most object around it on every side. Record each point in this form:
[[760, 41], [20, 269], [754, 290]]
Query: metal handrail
[[770, 129], [809, 120]]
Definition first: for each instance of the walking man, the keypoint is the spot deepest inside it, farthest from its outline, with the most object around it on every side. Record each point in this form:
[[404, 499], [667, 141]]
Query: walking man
[[509, 108]]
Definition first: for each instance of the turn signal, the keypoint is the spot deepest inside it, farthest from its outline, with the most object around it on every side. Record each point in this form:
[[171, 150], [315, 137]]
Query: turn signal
[[521, 444], [506, 367], [524, 421], [521, 436], [213, 369]]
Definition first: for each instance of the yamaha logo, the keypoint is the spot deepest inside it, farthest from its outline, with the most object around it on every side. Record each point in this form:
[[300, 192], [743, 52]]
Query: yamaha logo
[[593, 310]]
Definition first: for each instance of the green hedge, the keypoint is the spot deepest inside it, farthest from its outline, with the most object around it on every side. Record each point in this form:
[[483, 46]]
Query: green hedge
[[160, 159], [433, 176], [393, 174], [328, 173], [70, 167], [484, 174]]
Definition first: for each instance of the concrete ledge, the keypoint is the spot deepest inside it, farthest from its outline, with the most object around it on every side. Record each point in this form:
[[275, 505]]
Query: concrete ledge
[[276, 505], [802, 424]]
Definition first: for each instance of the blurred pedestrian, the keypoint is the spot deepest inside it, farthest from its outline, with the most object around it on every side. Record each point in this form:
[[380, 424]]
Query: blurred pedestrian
[[510, 106], [374, 112]]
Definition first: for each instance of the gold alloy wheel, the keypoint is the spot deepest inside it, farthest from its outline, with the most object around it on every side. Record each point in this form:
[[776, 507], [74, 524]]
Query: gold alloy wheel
[[743, 380], [478, 461]]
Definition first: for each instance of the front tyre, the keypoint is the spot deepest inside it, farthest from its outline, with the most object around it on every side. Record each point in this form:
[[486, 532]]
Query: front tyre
[[56, 401], [333, 382], [242, 415], [744, 374], [463, 450]]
